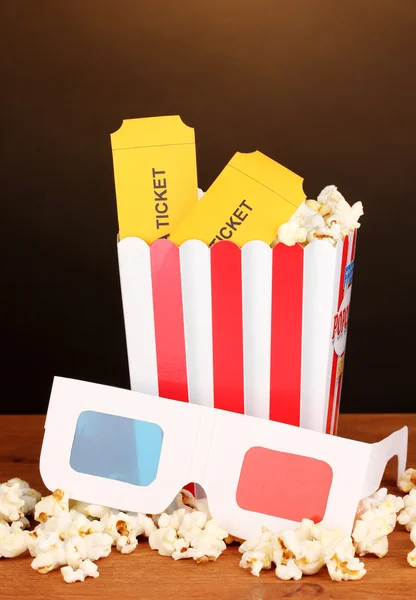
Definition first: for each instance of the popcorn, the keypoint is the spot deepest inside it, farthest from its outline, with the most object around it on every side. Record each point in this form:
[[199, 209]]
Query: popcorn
[[407, 481], [346, 216], [66, 537], [148, 526], [67, 524], [71, 576], [86, 569], [328, 538], [306, 546], [90, 569], [331, 233], [411, 557], [130, 525], [306, 530], [330, 218], [255, 561], [187, 500], [86, 519], [212, 528], [259, 553], [345, 568], [323, 208], [187, 532], [200, 555], [339, 555], [408, 515], [29, 495], [70, 535], [303, 551], [208, 544], [173, 520], [98, 545], [49, 552], [72, 538], [288, 571], [52, 506], [375, 500], [17, 499], [75, 551], [163, 540], [90, 510], [330, 196], [298, 545], [81, 525], [292, 233], [311, 560], [126, 544], [13, 540], [117, 524], [370, 536], [376, 519], [192, 524]]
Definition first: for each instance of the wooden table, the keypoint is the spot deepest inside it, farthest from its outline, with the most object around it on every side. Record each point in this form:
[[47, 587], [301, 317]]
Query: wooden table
[[146, 575]]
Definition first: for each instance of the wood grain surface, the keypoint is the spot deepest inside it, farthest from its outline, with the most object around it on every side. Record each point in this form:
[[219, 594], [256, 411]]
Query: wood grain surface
[[146, 575]]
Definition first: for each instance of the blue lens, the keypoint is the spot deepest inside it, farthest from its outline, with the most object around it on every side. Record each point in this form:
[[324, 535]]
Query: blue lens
[[117, 448]]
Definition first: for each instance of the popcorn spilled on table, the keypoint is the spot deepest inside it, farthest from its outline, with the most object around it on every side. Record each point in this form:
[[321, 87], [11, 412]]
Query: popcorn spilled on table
[[236, 303], [72, 536]]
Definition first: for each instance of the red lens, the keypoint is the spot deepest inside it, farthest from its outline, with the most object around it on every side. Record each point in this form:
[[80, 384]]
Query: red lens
[[284, 485]]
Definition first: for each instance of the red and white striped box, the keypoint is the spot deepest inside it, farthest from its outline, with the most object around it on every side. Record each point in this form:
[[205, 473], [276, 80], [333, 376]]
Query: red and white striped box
[[255, 330]]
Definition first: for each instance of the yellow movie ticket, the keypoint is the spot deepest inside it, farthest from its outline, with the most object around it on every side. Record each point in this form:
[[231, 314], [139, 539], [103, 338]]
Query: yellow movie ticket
[[249, 200], [155, 175]]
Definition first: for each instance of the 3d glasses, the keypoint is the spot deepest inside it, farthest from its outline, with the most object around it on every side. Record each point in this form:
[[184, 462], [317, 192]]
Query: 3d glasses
[[135, 452]]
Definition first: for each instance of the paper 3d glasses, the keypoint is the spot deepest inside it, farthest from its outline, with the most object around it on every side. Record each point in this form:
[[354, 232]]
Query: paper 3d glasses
[[135, 452]]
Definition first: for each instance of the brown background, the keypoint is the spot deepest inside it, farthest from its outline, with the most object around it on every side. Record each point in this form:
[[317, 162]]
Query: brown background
[[326, 87]]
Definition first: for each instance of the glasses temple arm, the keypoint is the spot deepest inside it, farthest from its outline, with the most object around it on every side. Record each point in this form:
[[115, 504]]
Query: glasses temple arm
[[381, 452]]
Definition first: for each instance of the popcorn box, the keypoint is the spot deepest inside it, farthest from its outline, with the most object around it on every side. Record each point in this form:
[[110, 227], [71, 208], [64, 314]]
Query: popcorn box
[[256, 330]]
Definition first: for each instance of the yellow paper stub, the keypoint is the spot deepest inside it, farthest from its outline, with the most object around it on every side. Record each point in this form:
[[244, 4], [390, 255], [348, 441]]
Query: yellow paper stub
[[249, 200], [155, 175]]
